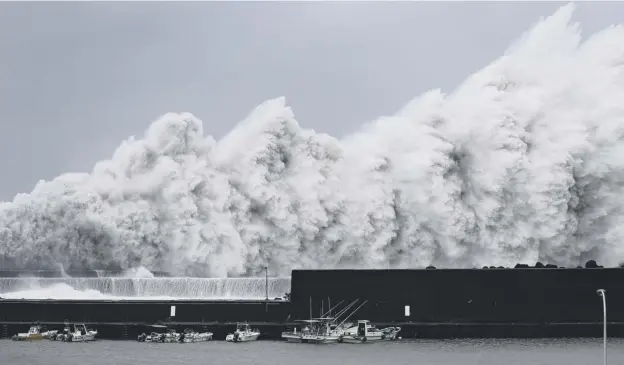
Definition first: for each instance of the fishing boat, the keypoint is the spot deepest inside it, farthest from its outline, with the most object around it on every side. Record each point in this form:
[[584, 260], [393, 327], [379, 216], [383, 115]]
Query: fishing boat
[[243, 333], [391, 333], [80, 334], [35, 332], [190, 336], [64, 335], [171, 335], [320, 331], [324, 329], [152, 335], [162, 332], [294, 334], [364, 332]]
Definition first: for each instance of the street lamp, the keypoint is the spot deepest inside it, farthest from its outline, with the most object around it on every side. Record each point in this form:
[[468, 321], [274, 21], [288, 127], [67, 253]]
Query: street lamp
[[266, 288], [603, 294]]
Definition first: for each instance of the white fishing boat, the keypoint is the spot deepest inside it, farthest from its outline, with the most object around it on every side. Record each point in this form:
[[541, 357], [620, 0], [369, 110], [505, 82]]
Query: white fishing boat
[[62, 336], [35, 332], [364, 332], [317, 330], [190, 336], [170, 336], [80, 334], [153, 336], [243, 333], [165, 334], [322, 330], [294, 334], [391, 333]]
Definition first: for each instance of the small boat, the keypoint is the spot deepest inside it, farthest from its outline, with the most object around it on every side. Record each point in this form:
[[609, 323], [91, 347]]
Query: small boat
[[168, 337], [80, 334], [152, 337], [243, 333], [364, 332], [64, 335], [191, 336], [35, 332], [293, 335], [166, 334], [391, 333]]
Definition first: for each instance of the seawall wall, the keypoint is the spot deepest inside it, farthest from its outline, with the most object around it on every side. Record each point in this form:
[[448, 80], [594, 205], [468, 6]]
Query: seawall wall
[[128, 318], [522, 295]]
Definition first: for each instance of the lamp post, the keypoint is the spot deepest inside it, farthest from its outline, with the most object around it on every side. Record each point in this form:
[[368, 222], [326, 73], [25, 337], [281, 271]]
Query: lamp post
[[266, 288], [603, 294]]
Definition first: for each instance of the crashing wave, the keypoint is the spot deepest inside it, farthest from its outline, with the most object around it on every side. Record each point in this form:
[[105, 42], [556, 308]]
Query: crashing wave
[[521, 163]]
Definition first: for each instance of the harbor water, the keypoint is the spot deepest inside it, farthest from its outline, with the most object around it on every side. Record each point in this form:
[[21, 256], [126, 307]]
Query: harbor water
[[449, 352]]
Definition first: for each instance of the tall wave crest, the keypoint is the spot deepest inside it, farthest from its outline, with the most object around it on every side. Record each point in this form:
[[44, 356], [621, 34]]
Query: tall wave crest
[[522, 162]]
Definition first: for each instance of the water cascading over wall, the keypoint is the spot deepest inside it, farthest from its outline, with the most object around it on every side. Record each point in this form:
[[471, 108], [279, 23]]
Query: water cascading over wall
[[146, 288]]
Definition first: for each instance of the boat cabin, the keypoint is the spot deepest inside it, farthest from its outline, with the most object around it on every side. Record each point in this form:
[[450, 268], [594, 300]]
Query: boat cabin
[[364, 327], [242, 327], [33, 330], [318, 325], [80, 328]]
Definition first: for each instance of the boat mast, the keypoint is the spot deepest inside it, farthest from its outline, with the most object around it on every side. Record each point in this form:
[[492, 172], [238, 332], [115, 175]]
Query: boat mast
[[332, 308], [352, 313], [329, 305], [345, 309]]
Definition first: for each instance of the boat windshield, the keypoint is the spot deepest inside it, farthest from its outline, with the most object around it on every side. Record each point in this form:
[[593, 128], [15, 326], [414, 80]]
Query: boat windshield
[[242, 327]]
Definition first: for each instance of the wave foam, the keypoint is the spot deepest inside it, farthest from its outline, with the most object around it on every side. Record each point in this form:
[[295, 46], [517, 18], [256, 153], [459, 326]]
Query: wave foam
[[522, 162], [112, 288]]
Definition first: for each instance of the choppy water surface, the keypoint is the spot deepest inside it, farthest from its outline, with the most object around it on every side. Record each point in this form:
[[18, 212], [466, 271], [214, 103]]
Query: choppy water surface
[[451, 352]]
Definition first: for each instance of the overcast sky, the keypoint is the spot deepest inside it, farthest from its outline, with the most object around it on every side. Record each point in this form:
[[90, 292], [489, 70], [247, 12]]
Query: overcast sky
[[78, 78]]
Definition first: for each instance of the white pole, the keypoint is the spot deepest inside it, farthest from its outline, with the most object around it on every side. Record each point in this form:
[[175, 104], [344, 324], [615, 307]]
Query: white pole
[[603, 294], [266, 288]]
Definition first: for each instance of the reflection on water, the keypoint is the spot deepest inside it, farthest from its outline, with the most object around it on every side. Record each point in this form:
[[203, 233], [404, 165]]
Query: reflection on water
[[412, 352]]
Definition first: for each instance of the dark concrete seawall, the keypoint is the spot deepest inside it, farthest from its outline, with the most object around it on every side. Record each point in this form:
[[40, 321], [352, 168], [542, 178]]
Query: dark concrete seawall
[[464, 296], [494, 302], [128, 318], [440, 303]]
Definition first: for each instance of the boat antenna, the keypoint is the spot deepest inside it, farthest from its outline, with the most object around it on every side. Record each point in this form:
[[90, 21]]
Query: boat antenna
[[345, 309], [332, 308], [352, 313], [329, 305]]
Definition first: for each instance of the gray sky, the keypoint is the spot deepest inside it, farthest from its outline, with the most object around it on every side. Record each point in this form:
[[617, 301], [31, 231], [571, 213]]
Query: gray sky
[[78, 78]]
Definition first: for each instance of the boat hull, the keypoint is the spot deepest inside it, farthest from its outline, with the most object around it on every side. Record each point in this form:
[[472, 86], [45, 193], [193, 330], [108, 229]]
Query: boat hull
[[362, 339], [199, 338], [28, 338], [82, 338], [291, 337], [320, 339], [34, 336], [242, 337]]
